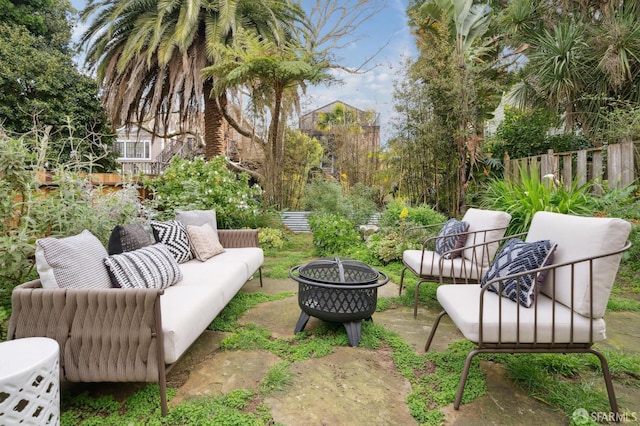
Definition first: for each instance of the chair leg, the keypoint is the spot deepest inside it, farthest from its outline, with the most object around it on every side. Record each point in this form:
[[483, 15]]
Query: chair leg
[[608, 382], [402, 280], [433, 330], [415, 299], [463, 379]]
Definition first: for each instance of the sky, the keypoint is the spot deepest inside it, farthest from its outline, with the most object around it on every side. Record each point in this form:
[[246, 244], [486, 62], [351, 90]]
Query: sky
[[373, 89]]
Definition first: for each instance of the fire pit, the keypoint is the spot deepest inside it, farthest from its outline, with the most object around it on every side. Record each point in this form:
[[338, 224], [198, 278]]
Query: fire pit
[[337, 290]]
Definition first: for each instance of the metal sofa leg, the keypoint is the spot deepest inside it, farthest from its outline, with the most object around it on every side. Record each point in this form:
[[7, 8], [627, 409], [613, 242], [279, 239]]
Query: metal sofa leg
[[463, 379], [608, 382], [260, 275], [433, 330]]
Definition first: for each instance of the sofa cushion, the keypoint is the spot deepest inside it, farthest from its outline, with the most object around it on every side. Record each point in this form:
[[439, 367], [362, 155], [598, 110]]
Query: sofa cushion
[[480, 220], [128, 238], [515, 257], [148, 267], [174, 236], [577, 238], [448, 238], [204, 241], [251, 257], [189, 306], [197, 217], [429, 265], [72, 262], [462, 304]]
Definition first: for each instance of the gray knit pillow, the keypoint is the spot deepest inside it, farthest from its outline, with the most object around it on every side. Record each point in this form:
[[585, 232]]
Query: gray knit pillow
[[148, 267], [72, 262]]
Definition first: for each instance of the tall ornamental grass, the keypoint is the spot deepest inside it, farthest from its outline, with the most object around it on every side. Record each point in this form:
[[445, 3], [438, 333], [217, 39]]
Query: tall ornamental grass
[[533, 194]]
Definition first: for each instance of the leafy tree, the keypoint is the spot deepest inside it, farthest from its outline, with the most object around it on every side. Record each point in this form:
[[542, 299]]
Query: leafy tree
[[149, 56], [270, 71], [47, 19], [302, 156], [41, 88]]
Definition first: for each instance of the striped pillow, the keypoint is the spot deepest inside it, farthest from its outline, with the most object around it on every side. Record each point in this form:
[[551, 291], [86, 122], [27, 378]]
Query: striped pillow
[[173, 234], [148, 267]]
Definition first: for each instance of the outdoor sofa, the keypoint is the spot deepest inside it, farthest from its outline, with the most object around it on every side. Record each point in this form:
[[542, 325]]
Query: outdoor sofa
[[135, 334]]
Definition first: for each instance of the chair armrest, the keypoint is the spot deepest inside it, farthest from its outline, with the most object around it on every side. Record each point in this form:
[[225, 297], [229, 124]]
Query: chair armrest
[[112, 335], [571, 281], [236, 238]]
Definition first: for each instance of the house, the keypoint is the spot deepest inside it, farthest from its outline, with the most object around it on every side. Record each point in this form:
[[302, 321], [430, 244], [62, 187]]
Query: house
[[350, 138], [139, 151]]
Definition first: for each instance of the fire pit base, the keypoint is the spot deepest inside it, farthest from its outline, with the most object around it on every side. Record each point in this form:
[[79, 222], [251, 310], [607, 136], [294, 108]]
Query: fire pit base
[[353, 328]]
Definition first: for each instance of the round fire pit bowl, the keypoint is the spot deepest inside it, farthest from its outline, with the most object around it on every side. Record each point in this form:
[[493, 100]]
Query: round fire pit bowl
[[337, 290]]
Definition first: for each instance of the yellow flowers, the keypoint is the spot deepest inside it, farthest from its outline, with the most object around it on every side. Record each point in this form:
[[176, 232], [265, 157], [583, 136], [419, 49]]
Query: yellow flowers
[[404, 213]]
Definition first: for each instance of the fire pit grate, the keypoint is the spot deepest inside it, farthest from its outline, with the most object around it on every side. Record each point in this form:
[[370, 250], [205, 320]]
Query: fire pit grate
[[337, 290]]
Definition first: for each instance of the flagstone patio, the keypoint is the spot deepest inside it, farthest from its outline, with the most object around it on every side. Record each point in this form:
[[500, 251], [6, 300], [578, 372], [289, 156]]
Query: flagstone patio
[[356, 386]]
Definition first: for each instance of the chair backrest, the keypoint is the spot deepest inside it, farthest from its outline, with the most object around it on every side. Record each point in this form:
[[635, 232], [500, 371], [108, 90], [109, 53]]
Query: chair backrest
[[496, 222], [580, 237]]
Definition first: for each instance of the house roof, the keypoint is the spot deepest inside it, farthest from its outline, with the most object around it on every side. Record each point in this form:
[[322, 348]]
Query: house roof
[[330, 107]]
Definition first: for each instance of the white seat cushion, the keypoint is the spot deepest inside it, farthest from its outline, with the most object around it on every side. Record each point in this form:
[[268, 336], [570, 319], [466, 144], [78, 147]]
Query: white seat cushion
[[481, 220], [252, 257], [580, 237], [457, 267], [462, 303]]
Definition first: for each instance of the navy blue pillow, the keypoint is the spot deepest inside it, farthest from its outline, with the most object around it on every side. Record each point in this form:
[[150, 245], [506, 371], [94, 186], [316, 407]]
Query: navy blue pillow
[[515, 257], [448, 239]]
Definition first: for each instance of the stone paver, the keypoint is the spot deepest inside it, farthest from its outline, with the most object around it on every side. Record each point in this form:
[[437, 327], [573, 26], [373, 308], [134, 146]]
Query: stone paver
[[355, 386]]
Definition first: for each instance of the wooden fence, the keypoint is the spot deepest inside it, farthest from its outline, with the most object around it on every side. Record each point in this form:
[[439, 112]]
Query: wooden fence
[[615, 164]]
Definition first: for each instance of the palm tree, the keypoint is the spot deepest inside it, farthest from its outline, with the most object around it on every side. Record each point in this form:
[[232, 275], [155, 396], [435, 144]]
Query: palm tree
[[149, 55]]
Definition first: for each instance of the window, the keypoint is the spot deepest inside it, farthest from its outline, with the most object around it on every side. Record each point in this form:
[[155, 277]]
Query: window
[[132, 149]]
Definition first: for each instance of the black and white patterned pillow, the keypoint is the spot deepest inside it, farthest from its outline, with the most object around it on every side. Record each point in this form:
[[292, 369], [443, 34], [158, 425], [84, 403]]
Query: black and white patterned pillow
[[516, 257], [447, 239], [174, 236], [148, 267], [72, 262], [128, 238]]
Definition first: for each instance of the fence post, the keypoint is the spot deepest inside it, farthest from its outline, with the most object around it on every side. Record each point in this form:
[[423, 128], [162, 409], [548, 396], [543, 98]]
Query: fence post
[[581, 166], [614, 163], [596, 172], [507, 166], [626, 151], [567, 170]]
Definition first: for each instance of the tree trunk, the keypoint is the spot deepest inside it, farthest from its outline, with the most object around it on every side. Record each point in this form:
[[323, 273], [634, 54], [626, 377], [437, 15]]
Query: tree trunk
[[215, 143]]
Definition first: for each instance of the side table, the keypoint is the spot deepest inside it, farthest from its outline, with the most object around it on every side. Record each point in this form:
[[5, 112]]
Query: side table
[[29, 382]]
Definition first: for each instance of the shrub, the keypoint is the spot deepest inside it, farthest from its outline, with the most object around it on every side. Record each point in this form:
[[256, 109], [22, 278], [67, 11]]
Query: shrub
[[356, 205], [333, 235], [271, 238], [28, 213], [415, 216], [203, 185], [532, 194]]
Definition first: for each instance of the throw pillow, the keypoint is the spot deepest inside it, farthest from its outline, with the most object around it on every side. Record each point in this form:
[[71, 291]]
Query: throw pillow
[[128, 238], [204, 241], [72, 262], [516, 257], [148, 267], [174, 236], [448, 239], [197, 217]]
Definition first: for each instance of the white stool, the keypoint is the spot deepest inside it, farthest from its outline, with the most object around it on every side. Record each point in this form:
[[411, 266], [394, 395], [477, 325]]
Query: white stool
[[29, 382]]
